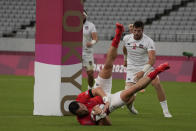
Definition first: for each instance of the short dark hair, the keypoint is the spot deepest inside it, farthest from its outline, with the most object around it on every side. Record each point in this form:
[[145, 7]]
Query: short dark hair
[[138, 24], [73, 107]]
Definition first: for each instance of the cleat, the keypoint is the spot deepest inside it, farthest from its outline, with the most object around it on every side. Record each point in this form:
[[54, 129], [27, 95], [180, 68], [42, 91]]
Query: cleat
[[119, 28], [167, 114], [117, 37], [159, 69], [163, 67]]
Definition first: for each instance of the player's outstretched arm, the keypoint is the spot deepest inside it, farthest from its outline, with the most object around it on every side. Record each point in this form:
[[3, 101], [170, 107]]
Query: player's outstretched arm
[[100, 92]]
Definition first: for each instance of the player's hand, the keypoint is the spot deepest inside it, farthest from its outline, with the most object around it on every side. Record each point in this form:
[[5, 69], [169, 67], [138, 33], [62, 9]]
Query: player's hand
[[97, 110], [138, 75], [89, 44], [125, 63], [106, 107]]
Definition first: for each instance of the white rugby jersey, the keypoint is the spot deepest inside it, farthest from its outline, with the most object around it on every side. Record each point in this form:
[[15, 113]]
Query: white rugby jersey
[[88, 29], [137, 50]]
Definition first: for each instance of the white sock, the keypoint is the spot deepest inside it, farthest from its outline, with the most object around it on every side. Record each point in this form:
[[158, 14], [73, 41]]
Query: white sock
[[164, 105]]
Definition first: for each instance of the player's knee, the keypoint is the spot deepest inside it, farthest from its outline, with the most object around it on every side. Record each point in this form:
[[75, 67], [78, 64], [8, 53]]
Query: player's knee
[[124, 97], [108, 66]]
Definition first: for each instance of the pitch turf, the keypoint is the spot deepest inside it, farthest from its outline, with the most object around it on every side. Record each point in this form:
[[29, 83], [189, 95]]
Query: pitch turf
[[16, 107]]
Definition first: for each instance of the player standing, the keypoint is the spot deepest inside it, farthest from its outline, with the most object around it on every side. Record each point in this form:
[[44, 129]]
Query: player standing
[[139, 53], [90, 38]]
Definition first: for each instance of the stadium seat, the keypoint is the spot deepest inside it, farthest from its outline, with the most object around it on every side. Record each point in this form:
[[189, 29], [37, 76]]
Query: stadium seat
[[21, 13]]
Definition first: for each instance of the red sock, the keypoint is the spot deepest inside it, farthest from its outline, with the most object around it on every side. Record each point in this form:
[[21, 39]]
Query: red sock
[[152, 75], [117, 37], [116, 40]]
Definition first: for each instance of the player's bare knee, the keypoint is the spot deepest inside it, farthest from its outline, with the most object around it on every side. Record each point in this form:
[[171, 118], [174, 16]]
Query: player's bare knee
[[108, 66], [124, 97]]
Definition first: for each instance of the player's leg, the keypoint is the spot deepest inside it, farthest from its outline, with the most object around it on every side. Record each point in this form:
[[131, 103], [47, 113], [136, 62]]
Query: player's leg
[[104, 79], [143, 82], [106, 72], [130, 103], [88, 65], [123, 97], [160, 91], [90, 70], [130, 75], [90, 77], [161, 96], [127, 94]]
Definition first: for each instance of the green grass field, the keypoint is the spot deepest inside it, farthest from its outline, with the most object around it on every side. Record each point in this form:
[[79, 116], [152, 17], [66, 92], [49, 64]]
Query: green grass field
[[16, 107]]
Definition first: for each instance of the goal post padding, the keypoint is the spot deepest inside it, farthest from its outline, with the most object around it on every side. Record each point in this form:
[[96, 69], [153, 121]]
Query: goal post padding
[[58, 51]]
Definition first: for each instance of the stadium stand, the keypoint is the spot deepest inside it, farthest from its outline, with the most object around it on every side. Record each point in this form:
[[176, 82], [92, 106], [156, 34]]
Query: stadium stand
[[16, 16], [165, 20]]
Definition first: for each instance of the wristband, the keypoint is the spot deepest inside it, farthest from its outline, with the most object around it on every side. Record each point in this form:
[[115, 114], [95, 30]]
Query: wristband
[[146, 67], [93, 42]]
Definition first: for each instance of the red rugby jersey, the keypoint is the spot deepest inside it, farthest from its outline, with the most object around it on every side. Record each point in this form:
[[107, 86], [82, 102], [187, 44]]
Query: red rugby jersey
[[89, 101]]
